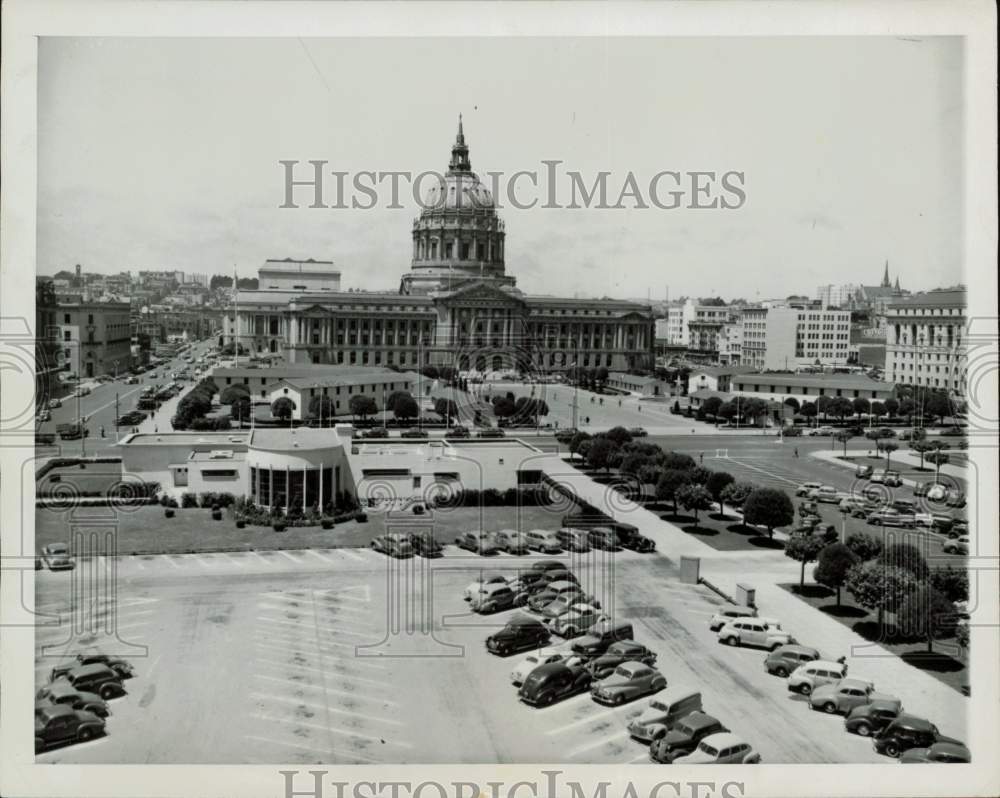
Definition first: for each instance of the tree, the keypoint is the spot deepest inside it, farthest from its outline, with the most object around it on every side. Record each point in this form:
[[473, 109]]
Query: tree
[[577, 441], [938, 447], [670, 482], [865, 547], [727, 411], [405, 407], [632, 463], [241, 409], [736, 494], [952, 582], [675, 460], [823, 405], [753, 408], [446, 408], [793, 403], [878, 410], [694, 497], [282, 408], [937, 405], [906, 408], [808, 410], [922, 448], [891, 407], [600, 453], [880, 587], [699, 475], [841, 407], [926, 612], [962, 635], [717, 484], [321, 407], [835, 561], [888, 447], [232, 393], [395, 396], [601, 375], [363, 406], [803, 548], [843, 437], [861, 406], [711, 406], [768, 507], [619, 435], [503, 407], [905, 556]]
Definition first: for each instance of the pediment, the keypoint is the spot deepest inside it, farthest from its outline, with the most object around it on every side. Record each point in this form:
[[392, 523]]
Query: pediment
[[479, 291]]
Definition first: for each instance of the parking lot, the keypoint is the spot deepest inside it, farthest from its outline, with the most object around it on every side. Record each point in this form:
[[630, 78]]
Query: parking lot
[[346, 656]]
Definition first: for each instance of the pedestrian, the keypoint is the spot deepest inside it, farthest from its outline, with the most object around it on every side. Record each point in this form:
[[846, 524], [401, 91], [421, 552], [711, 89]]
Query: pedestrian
[[156, 428], [796, 452], [102, 430]]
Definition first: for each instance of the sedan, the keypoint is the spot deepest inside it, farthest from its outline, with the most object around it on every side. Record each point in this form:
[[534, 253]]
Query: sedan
[[57, 557], [511, 541], [889, 517], [489, 578], [959, 545], [43, 416], [684, 737], [628, 681], [62, 692], [532, 661], [618, 653], [945, 753], [869, 719], [847, 694], [806, 488], [724, 748], [477, 541], [54, 403]]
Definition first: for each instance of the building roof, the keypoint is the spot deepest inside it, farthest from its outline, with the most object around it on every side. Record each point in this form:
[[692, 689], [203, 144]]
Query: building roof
[[940, 298], [221, 440], [312, 371], [293, 266], [842, 381], [704, 393], [540, 300], [720, 371], [286, 440], [326, 381]]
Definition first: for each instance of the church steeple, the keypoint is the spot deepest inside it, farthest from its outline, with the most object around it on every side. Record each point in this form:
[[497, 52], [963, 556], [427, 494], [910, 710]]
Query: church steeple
[[897, 283], [460, 152], [886, 282]]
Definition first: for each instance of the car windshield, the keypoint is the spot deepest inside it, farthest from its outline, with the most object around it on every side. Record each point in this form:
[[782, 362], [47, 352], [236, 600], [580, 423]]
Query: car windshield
[[58, 548], [684, 728], [705, 748], [624, 672]]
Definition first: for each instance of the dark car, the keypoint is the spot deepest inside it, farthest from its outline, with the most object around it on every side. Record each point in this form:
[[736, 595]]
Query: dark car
[[603, 537], [122, 668], [637, 432], [520, 633], [561, 575], [632, 540], [864, 472], [62, 692], [785, 659], [548, 565], [601, 636], [684, 736], [59, 723], [553, 682], [948, 753], [616, 654], [425, 545], [906, 732], [96, 678]]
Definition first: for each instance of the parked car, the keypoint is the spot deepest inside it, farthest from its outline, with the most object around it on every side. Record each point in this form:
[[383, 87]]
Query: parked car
[[904, 506], [684, 737], [491, 432], [637, 432], [890, 517], [617, 654], [57, 557], [952, 432], [722, 748], [573, 539], [59, 723], [891, 479], [485, 578], [543, 540], [945, 753], [785, 659], [511, 541], [495, 598], [959, 545], [564, 436], [54, 403], [425, 545], [601, 636], [520, 633], [602, 537], [845, 695], [396, 544], [548, 565], [478, 542], [543, 657], [122, 668], [547, 684], [864, 472], [932, 490], [730, 613], [806, 678], [809, 508], [826, 494], [807, 487], [757, 632], [906, 732], [43, 416], [62, 692], [96, 678], [629, 538], [868, 719], [628, 681], [576, 620], [557, 599]]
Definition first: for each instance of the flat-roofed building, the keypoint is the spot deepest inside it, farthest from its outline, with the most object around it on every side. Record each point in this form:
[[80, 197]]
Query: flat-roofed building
[[298, 275], [925, 340], [809, 387]]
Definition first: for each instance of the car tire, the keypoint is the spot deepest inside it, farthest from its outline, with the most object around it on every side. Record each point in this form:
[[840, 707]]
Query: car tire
[[619, 699], [829, 708], [864, 729], [891, 749], [805, 689], [107, 691], [84, 734], [733, 641], [781, 671]]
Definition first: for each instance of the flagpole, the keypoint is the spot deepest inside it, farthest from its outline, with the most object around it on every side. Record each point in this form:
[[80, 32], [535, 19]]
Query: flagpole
[[236, 315]]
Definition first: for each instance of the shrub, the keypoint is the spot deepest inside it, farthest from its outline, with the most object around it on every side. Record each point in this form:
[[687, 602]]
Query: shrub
[[188, 500], [169, 513], [865, 547], [768, 507]]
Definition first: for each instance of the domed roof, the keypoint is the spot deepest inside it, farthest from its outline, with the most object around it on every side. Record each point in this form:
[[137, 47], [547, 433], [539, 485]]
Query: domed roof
[[458, 191]]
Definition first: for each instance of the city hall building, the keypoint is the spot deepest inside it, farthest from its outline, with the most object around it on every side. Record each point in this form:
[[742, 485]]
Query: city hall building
[[457, 306]]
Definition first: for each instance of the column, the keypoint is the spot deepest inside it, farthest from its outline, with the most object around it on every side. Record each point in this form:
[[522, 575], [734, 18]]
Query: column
[[321, 505], [305, 489], [270, 487], [288, 489]]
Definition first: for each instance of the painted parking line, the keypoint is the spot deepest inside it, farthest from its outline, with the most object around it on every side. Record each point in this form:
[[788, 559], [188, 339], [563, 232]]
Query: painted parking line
[[331, 730], [328, 613], [200, 559], [597, 743], [351, 555], [319, 556], [307, 638], [583, 721], [352, 694], [324, 671], [262, 558], [318, 649], [288, 556], [333, 630], [170, 560], [235, 560], [324, 708], [322, 751]]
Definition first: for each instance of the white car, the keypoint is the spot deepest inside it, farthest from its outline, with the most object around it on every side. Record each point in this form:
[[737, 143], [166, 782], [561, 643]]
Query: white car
[[758, 632], [806, 678], [959, 545], [543, 656], [826, 493], [577, 620], [722, 748], [807, 487], [476, 587]]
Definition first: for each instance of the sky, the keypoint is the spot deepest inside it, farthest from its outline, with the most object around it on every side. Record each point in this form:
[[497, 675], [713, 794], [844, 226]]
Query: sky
[[164, 154]]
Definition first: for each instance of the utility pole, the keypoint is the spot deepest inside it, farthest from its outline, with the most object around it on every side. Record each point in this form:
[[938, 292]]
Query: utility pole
[[116, 415]]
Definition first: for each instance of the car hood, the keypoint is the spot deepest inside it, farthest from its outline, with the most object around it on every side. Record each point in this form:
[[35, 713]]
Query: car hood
[[914, 755], [696, 757], [675, 737], [649, 715], [612, 682]]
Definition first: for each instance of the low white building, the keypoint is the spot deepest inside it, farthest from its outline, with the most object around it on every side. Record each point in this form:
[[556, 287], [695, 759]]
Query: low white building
[[298, 275], [809, 387], [378, 384]]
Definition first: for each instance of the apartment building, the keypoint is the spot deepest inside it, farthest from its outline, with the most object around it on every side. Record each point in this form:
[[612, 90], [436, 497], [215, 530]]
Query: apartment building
[[785, 338], [95, 338], [925, 340]]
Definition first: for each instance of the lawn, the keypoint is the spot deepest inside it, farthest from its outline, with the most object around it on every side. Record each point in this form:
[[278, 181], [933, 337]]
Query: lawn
[[85, 479], [146, 530], [946, 663]]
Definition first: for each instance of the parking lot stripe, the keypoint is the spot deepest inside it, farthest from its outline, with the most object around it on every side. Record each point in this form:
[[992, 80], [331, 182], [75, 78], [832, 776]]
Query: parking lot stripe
[[299, 640], [319, 648], [235, 560], [330, 612], [597, 743], [324, 751], [324, 708], [376, 682], [319, 556], [326, 628], [288, 556], [359, 735], [170, 560], [261, 558], [348, 694], [583, 721]]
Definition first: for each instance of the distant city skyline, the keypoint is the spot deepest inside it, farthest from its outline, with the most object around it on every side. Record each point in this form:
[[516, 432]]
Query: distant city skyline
[[850, 158]]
